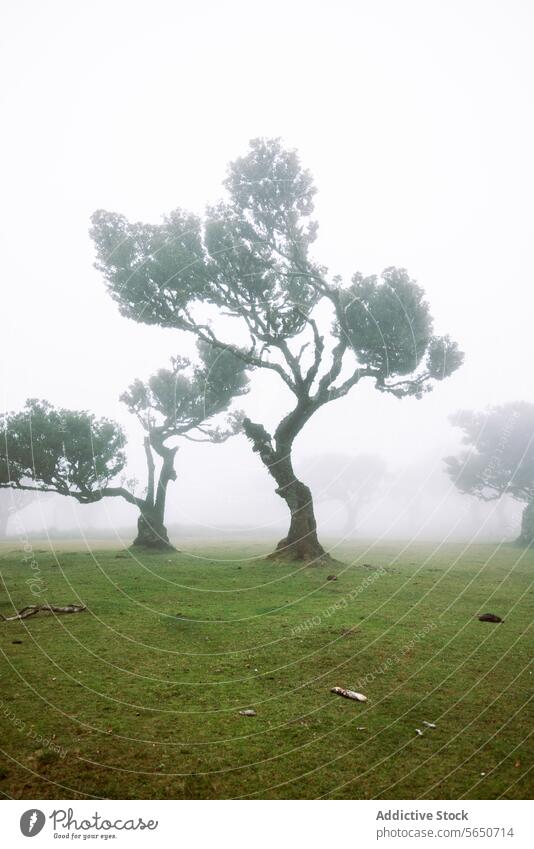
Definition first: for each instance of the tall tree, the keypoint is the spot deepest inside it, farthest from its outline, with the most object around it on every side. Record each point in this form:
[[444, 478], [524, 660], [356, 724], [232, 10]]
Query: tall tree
[[500, 458], [73, 453], [243, 280]]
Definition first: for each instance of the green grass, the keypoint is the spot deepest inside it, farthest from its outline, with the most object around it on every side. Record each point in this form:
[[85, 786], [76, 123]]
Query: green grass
[[140, 695]]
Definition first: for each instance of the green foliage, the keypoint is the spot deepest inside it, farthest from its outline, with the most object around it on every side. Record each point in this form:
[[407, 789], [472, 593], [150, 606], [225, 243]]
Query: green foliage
[[443, 357], [258, 242], [153, 270], [500, 459], [219, 378], [247, 262], [183, 399], [251, 260], [387, 322], [66, 451], [388, 325]]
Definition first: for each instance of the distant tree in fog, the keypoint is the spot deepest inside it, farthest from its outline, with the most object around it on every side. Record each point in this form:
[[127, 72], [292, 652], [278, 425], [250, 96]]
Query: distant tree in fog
[[500, 458], [354, 480], [250, 263], [72, 453], [12, 503]]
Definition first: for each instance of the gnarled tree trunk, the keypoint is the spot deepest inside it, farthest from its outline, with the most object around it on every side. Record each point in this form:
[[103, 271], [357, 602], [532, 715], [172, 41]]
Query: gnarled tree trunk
[[151, 530], [301, 541]]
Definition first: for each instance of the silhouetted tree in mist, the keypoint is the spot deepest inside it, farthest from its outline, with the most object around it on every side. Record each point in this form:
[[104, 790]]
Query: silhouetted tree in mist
[[11, 504], [500, 458], [354, 480]]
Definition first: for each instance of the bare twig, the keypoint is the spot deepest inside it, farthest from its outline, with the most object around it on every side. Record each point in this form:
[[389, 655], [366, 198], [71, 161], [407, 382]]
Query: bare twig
[[32, 609]]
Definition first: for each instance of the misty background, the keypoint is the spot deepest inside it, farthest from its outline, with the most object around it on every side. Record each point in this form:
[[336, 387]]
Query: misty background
[[416, 122]]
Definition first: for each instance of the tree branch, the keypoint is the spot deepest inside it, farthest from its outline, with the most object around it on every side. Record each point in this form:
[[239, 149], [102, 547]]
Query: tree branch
[[333, 372], [26, 612], [151, 466], [204, 332]]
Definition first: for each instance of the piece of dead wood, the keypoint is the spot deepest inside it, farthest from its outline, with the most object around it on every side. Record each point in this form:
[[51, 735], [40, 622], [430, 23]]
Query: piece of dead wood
[[32, 609], [247, 712], [349, 694]]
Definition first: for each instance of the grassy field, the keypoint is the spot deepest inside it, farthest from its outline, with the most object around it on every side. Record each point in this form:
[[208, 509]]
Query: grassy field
[[139, 696]]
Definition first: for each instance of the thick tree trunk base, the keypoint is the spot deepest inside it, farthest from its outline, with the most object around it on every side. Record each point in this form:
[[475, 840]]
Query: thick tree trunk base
[[302, 551], [152, 535], [153, 545], [301, 544]]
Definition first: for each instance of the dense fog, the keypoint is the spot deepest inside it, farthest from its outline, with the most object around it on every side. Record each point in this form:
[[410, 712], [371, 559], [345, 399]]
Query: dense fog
[[415, 502], [415, 168]]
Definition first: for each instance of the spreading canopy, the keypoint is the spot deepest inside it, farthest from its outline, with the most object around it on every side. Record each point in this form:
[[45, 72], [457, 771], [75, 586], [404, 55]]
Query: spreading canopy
[[250, 259], [182, 400], [70, 452]]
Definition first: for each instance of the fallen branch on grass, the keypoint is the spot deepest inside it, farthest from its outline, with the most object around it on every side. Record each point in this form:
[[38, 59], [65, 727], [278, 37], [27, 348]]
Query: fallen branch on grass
[[349, 694], [37, 608]]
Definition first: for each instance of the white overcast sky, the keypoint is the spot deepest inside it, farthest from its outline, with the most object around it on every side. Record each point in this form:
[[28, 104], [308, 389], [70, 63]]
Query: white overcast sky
[[416, 119]]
